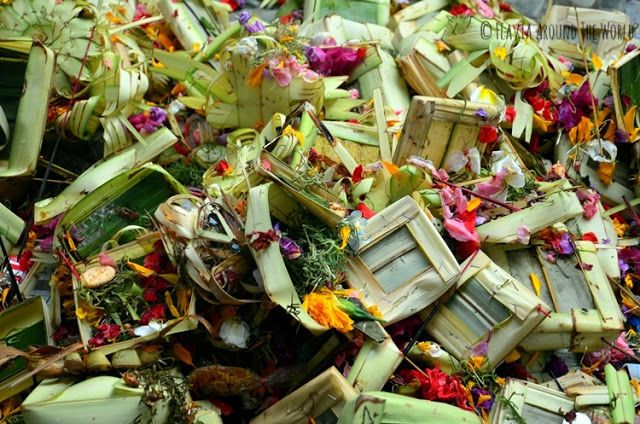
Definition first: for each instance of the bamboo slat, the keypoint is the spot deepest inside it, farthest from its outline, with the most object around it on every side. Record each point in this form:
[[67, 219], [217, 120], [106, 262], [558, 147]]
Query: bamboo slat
[[499, 311], [403, 265], [435, 128]]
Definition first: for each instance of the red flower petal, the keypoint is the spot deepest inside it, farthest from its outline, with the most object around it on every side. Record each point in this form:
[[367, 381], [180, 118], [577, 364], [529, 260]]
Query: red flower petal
[[488, 134], [366, 212]]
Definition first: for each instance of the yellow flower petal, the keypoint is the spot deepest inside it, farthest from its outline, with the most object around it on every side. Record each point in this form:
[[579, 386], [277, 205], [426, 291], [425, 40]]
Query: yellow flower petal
[[322, 306], [628, 280], [442, 46], [541, 124], [345, 233], [172, 308], [629, 123], [473, 204], [141, 270], [535, 283], [477, 361], [81, 313], [620, 227], [501, 52], [605, 172], [513, 356], [573, 79], [597, 62]]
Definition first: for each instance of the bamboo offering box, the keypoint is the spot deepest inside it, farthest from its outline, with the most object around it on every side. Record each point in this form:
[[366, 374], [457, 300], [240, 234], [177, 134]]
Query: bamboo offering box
[[23, 325], [422, 65], [98, 287], [402, 264], [413, 17], [557, 206], [487, 316], [584, 308], [436, 128], [322, 399], [530, 403], [119, 205], [581, 167], [568, 31]]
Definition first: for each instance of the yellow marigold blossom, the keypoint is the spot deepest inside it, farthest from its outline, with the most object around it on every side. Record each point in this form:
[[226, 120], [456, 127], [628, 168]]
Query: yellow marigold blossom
[[476, 361], [629, 123], [628, 280], [323, 307], [375, 311], [620, 227], [571, 78], [500, 381], [582, 132], [297, 134], [500, 52], [606, 171], [196, 47]]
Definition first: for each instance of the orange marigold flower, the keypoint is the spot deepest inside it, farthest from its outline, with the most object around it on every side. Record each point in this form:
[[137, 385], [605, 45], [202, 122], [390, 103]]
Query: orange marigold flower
[[323, 307]]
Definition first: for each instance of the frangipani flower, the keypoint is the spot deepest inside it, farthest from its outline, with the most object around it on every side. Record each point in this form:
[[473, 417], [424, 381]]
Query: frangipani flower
[[469, 159], [514, 175], [483, 94]]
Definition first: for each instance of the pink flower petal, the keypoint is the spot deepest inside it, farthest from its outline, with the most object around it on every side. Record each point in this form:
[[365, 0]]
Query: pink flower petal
[[106, 260]]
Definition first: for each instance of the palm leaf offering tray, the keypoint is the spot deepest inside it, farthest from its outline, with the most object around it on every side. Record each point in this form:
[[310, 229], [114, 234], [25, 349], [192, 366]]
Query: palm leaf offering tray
[[319, 211]]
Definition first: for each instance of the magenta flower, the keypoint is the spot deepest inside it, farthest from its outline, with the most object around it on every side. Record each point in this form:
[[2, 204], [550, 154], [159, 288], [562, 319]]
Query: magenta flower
[[563, 244], [148, 121], [253, 27], [332, 61], [589, 202], [575, 106], [290, 248]]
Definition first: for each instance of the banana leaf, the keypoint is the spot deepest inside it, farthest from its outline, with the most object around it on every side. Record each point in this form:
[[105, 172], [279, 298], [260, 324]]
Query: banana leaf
[[387, 77], [365, 11], [64, 27], [24, 95], [391, 408], [276, 280], [120, 202], [374, 365], [132, 157], [103, 399], [11, 226], [344, 30]]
